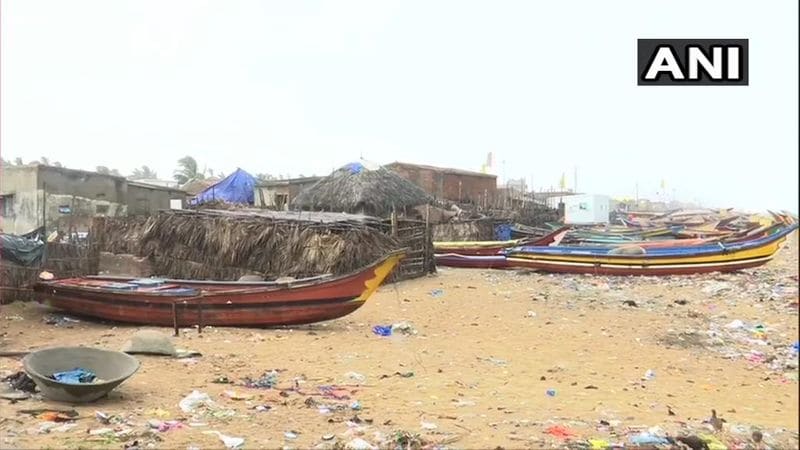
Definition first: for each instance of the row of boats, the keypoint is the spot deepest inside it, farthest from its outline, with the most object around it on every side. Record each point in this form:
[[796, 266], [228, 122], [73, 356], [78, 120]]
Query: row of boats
[[181, 303], [659, 251]]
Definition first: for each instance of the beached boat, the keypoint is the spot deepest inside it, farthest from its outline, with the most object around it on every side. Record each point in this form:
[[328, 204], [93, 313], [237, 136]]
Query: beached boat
[[717, 257], [487, 248], [472, 261], [176, 303]]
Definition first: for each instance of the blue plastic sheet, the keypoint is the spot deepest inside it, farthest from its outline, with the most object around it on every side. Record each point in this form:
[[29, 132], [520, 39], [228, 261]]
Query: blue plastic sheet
[[502, 232], [75, 376], [354, 167], [237, 187], [382, 330]]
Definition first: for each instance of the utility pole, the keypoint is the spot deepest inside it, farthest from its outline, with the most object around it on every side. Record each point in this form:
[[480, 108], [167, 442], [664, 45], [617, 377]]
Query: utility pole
[[576, 179]]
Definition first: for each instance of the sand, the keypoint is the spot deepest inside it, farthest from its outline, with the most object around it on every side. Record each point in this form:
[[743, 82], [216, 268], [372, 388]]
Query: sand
[[485, 353]]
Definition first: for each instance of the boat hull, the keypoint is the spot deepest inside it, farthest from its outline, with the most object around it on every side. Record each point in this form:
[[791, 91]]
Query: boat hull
[[635, 270], [300, 303], [471, 261]]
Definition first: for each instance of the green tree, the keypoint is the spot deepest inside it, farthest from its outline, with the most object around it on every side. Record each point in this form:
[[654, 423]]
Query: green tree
[[187, 171], [106, 171], [18, 161], [144, 172]]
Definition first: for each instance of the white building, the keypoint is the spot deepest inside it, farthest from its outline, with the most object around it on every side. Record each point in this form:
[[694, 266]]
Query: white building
[[586, 209]]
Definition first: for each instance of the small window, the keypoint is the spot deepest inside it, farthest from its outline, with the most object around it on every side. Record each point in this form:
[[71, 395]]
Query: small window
[[7, 205], [101, 209]]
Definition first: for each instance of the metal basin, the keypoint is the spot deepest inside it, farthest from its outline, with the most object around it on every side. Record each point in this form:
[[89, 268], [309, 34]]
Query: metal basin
[[111, 367]]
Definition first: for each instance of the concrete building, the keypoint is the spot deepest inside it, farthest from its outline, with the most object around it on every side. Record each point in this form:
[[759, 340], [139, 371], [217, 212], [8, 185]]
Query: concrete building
[[278, 194], [147, 199], [455, 185], [584, 209], [67, 199]]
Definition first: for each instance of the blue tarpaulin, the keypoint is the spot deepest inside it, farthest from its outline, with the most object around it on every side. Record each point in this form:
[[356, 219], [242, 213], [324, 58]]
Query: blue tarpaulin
[[235, 188], [502, 232]]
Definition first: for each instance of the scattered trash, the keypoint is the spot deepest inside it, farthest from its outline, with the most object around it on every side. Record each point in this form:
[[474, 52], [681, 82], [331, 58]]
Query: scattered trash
[[531, 314], [382, 330], [649, 375], [230, 442], [736, 324], [15, 396], [436, 293], [495, 361], [428, 425], [645, 438], [359, 444], [195, 400], [598, 444], [335, 392], [403, 328], [715, 288], [59, 320], [267, 381], [355, 406], [102, 417], [399, 374], [551, 392], [560, 432], [21, 382], [233, 395], [290, 435], [169, 425], [355, 376], [262, 408], [51, 415]]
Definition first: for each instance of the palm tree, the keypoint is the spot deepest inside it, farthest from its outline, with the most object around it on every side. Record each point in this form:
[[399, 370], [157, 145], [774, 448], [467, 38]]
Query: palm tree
[[142, 173], [262, 177], [187, 171]]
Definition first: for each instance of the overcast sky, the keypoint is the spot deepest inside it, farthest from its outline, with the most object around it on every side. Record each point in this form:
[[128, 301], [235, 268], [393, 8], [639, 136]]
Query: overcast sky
[[301, 87]]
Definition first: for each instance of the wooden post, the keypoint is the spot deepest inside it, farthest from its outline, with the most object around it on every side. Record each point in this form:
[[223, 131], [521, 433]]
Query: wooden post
[[394, 222], [426, 256]]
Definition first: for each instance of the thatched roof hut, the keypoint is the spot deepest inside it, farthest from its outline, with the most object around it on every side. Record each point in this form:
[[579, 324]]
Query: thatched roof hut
[[361, 188], [226, 244]]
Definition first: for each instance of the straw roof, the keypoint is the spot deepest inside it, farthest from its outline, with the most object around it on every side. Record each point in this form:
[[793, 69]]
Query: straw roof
[[355, 188], [224, 245]]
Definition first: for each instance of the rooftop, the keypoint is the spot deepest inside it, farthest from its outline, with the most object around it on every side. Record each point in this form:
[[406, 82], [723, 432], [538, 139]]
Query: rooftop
[[141, 184], [63, 170], [288, 181], [442, 169], [287, 216]]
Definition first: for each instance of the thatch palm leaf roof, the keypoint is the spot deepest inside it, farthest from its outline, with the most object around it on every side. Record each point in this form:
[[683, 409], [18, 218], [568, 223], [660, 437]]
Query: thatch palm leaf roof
[[355, 188]]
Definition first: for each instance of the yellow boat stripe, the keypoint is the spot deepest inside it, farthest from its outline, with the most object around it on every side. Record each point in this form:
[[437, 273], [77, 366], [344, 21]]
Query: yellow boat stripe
[[641, 267]]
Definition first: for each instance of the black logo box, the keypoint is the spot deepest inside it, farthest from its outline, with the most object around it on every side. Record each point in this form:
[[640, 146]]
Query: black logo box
[[647, 50]]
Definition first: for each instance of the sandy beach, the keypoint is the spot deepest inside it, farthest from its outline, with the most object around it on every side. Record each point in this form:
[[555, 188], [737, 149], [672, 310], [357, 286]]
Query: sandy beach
[[478, 359]]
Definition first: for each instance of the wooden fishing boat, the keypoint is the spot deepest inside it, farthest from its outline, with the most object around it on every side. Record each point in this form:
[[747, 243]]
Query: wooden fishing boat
[[472, 261], [488, 248], [161, 302], [719, 257]]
